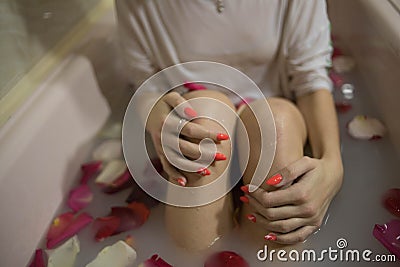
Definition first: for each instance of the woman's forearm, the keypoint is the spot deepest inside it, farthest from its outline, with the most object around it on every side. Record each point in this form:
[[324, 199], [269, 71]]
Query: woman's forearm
[[320, 116]]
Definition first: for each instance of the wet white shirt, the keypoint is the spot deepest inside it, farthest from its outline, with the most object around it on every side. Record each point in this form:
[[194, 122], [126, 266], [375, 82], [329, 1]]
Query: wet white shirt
[[282, 45]]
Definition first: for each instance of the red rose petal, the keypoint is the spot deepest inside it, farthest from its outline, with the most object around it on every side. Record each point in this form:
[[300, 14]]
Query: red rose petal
[[391, 201], [343, 107], [77, 224], [106, 226], [194, 86], [155, 261], [89, 169], [132, 217], [60, 224], [226, 259], [38, 260], [79, 197], [388, 235], [336, 52], [336, 79]]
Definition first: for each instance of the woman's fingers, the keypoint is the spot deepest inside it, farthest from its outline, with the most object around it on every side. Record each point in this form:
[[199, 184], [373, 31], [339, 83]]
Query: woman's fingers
[[281, 226], [180, 105], [294, 237], [173, 175], [277, 198], [291, 172]]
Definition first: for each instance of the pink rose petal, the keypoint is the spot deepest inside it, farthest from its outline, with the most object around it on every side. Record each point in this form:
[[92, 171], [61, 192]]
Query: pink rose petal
[[89, 170], [194, 86], [79, 197], [336, 79], [245, 101], [388, 234], [155, 261], [60, 224], [38, 260], [391, 201], [77, 224], [226, 259]]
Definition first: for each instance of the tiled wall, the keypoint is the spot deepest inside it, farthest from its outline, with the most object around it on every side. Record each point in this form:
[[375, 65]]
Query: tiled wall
[[29, 28]]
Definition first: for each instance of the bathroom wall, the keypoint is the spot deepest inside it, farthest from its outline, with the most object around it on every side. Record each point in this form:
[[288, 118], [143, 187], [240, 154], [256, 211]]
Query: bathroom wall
[[29, 29], [369, 31]]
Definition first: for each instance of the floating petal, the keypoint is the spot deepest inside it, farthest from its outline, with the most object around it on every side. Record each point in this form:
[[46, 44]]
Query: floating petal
[[391, 201], [388, 234], [79, 197], [64, 255], [111, 172], [38, 259], [118, 255], [106, 226], [90, 169], [363, 127], [155, 261], [132, 217], [108, 150], [343, 64], [343, 107], [112, 131], [336, 79], [75, 225], [60, 224], [139, 195], [122, 182], [226, 259]]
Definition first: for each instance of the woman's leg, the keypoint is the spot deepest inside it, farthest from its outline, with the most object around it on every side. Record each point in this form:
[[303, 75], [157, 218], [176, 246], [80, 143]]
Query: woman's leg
[[291, 135], [198, 227]]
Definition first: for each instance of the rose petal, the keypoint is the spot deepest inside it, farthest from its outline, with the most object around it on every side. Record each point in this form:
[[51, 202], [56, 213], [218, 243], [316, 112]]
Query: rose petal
[[132, 217], [343, 64], [391, 201], [343, 107], [90, 169], [388, 234], [130, 241], [60, 224], [108, 150], [38, 260], [336, 52], [111, 172], [113, 131], [77, 224], [194, 86], [79, 197], [119, 254], [226, 259], [363, 127], [155, 261], [64, 255], [122, 182], [244, 101], [106, 226], [336, 79]]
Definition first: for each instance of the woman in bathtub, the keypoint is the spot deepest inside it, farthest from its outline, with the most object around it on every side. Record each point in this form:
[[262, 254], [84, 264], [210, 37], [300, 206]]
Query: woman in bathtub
[[260, 38]]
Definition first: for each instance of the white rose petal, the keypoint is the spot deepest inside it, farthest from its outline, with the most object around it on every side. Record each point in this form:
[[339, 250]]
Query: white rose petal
[[363, 127], [108, 150], [64, 255], [118, 255]]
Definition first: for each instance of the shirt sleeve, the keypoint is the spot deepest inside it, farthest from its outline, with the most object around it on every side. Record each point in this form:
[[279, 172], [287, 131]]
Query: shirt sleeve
[[134, 48], [307, 47]]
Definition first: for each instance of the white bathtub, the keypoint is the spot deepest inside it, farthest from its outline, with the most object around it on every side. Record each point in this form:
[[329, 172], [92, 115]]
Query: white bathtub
[[43, 144]]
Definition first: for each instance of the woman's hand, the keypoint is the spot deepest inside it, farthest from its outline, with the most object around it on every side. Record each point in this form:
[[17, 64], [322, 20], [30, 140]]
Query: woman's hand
[[291, 214], [179, 125]]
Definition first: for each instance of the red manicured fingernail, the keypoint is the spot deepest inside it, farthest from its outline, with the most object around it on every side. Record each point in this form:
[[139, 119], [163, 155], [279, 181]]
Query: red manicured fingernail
[[245, 189], [244, 199], [219, 156], [252, 218], [190, 112], [204, 171], [181, 181], [274, 180], [222, 137], [270, 237]]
